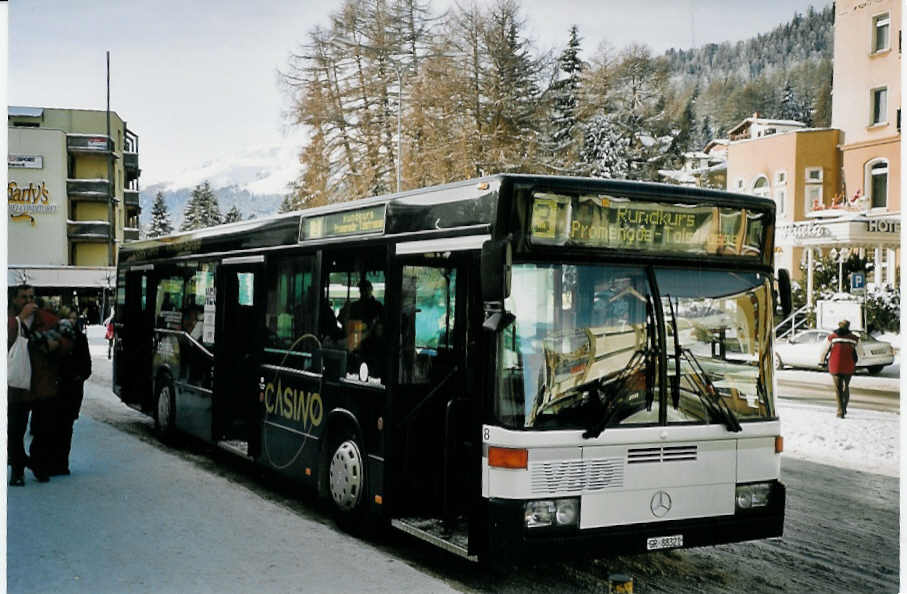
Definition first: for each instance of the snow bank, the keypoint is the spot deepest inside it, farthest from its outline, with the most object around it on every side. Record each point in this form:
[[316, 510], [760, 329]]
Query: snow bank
[[865, 440]]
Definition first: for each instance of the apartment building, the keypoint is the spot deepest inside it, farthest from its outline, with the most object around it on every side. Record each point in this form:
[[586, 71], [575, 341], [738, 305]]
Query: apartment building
[[73, 197]]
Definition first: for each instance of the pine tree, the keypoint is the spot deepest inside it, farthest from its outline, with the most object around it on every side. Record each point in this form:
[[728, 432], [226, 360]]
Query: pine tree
[[233, 215], [604, 151], [160, 218], [565, 135], [202, 209]]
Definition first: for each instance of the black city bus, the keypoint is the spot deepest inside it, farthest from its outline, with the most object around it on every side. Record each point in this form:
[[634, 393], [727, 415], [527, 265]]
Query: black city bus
[[495, 366]]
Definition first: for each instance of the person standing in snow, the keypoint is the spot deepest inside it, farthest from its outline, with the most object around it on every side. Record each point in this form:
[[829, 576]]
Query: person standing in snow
[[841, 350]]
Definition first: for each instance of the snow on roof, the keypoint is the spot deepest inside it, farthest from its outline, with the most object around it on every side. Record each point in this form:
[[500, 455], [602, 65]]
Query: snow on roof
[[764, 122], [31, 112]]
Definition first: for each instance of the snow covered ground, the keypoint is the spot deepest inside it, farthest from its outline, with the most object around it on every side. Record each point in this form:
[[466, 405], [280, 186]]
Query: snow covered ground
[[865, 440]]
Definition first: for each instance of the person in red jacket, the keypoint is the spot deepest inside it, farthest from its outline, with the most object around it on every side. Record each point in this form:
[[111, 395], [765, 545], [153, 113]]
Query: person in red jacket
[[841, 349]]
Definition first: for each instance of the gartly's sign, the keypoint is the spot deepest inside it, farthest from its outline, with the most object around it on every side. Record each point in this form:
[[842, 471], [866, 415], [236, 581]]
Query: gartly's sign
[[27, 201]]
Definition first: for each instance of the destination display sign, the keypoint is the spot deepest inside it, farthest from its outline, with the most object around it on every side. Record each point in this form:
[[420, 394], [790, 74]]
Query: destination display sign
[[620, 223], [341, 224]]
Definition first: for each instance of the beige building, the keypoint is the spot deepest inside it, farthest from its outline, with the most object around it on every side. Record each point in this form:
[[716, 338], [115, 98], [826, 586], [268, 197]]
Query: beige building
[[838, 189], [72, 197], [867, 100]]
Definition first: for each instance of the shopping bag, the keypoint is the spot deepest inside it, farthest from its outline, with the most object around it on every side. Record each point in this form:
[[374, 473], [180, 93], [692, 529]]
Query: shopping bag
[[18, 364]]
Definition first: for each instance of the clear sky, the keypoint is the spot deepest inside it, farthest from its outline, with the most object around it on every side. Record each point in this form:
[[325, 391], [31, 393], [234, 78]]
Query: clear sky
[[197, 79]]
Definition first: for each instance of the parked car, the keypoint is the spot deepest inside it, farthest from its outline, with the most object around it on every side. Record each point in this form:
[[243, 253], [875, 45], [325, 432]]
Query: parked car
[[804, 349]]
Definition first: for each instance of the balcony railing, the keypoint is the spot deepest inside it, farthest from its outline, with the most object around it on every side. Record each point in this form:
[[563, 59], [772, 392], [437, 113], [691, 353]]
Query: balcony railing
[[87, 230], [130, 233], [130, 161], [131, 198], [88, 189], [89, 143]]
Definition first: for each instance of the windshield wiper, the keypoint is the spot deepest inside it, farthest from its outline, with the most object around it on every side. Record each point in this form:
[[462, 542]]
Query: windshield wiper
[[713, 398], [616, 392]]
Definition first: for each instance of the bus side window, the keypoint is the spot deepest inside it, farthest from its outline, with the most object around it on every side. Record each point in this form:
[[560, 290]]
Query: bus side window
[[352, 318], [427, 318], [169, 303], [290, 317]]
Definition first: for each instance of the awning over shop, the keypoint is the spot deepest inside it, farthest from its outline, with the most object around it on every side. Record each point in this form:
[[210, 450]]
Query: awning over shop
[[85, 277]]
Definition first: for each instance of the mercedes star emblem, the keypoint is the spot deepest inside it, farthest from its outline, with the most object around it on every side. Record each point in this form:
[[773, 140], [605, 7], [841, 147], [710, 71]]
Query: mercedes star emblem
[[660, 504]]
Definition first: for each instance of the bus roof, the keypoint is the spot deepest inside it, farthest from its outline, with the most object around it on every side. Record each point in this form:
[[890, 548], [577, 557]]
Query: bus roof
[[456, 207]]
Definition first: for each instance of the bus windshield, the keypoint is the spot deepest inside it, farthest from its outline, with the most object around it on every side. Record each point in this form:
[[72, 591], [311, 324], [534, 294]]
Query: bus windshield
[[590, 344]]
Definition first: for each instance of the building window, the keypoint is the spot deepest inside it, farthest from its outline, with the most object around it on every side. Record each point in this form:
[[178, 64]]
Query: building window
[[780, 195], [760, 186], [879, 106], [813, 190], [814, 175], [738, 185], [881, 25], [878, 183], [780, 178], [814, 198]]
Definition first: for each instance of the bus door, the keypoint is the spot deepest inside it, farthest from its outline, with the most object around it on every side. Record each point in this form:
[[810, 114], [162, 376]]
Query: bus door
[[240, 311], [134, 327], [431, 406]]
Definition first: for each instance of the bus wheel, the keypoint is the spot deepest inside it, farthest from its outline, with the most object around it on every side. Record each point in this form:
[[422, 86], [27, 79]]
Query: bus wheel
[[346, 480], [164, 409], [875, 369]]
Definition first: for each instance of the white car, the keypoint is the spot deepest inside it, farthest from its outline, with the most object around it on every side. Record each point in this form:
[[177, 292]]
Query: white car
[[804, 350]]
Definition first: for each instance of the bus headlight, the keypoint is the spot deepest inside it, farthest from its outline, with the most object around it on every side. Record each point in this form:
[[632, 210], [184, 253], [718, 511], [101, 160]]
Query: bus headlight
[[547, 512], [753, 495]]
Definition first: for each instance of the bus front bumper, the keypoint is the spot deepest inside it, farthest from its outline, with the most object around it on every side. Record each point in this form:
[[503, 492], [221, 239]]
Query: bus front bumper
[[511, 540]]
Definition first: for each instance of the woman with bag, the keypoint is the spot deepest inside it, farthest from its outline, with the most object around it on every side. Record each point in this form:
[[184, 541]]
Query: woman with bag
[[18, 370], [46, 345]]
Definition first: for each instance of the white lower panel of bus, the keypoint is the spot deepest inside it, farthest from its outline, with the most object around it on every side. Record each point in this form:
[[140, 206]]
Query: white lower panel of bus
[[656, 505], [627, 477]]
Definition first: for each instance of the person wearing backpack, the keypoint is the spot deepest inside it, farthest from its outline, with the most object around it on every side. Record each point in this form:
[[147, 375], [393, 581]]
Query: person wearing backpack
[[841, 349], [75, 368]]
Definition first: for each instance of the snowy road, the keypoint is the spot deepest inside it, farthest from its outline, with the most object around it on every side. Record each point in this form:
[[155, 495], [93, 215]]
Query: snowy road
[[841, 529]]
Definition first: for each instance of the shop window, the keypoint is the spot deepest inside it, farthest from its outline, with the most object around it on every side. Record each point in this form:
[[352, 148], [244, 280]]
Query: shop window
[[761, 187], [881, 26], [878, 183], [879, 109]]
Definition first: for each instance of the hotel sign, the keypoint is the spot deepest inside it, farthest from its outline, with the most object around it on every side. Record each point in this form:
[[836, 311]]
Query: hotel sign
[[883, 226], [25, 161]]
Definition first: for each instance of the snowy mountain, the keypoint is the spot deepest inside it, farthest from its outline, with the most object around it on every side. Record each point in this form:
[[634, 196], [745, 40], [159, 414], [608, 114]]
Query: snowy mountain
[[255, 181]]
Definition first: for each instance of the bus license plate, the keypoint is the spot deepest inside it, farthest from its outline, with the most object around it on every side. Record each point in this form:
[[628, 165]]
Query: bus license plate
[[664, 542]]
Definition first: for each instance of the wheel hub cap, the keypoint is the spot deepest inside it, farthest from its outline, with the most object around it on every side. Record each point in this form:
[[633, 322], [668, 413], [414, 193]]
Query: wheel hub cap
[[346, 475]]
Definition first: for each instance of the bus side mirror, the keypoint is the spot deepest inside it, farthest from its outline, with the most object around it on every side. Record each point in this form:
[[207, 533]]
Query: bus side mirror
[[784, 291], [496, 262]]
